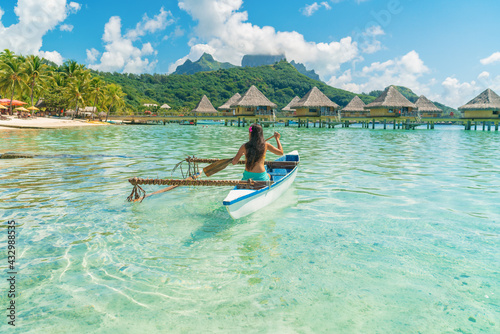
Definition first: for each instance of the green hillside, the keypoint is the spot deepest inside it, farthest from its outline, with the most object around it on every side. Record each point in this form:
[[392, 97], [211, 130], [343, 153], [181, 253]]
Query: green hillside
[[206, 63], [410, 95], [280, 83]]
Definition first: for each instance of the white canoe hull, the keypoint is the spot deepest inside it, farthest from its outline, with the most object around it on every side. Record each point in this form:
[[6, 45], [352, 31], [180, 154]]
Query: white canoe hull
[[242, 202]]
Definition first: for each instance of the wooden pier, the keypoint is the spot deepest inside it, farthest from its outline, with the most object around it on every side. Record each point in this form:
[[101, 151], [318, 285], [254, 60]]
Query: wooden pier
[[403, 123]]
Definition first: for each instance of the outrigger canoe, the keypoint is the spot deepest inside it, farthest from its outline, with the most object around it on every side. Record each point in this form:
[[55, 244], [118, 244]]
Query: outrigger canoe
[[242, 202]]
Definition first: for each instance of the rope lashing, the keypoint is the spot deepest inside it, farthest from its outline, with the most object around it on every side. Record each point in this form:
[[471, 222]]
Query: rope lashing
[[176, 182], [136, 193], [139, 193]]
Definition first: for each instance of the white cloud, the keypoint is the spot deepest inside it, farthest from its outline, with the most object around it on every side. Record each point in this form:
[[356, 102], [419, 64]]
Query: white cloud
[[370, 43], [147, 25], [120, 52], [92, 55], [35, 19], [309, 10], [226, 30], [456, 93], [403, 71], [53, 56], [74, 7], [495, 57], [66, 27], [483, 75]]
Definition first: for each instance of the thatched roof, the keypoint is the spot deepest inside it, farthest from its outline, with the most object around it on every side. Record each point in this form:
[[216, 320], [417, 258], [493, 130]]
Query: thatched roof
[[253, 98], [294, 100], [233, 99], [486, 100], [165, 106], [426, 105], [356, 104], [88, 109], [391, 98], [314, 99], [204, 106]]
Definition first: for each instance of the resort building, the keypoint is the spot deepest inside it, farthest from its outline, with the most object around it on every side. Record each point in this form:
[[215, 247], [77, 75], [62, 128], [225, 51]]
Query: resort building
[[204, 107], [252, 103], [355, 108], [315, 103], [426, 108], [287, 108], [485, 105], [226, 107], [391, 103], [165, 106]]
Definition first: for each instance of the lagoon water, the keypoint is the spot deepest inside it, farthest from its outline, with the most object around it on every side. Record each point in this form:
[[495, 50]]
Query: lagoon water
[[383, 231]]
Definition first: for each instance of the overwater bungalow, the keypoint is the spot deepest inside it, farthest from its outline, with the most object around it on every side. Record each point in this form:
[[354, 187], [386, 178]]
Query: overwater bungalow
[[252, 103], [287, 108], [426, 108], [355, 108], [485, 105], [204, 107], [391, 103], [226, 107], [315, 103]]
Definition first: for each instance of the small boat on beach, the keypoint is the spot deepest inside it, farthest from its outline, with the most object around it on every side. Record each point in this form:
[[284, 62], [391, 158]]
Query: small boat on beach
[[242, 202]]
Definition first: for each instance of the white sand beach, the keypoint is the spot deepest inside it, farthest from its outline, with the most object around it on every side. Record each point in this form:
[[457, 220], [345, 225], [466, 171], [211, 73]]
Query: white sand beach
[[44, 123]]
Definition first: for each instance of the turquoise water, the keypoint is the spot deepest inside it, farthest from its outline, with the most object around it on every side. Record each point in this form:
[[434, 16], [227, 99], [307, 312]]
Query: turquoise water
[[383, 231]]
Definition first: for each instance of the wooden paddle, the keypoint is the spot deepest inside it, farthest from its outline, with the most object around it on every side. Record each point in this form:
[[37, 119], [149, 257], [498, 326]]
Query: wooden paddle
[[220, 165]]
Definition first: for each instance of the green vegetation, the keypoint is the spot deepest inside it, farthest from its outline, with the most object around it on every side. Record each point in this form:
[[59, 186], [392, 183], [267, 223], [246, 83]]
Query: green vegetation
[[206, 63], [280, 83], [71, 85], [74, 86], [410, 95]]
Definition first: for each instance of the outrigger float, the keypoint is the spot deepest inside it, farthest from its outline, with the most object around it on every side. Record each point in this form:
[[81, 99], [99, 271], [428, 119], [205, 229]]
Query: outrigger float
[[245, 198]]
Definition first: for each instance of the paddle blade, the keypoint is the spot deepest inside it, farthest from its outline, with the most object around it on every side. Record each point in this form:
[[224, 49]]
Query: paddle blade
[[216, 167]]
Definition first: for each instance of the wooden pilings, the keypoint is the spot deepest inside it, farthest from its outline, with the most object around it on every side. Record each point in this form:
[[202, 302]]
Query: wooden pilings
[[485, 125]]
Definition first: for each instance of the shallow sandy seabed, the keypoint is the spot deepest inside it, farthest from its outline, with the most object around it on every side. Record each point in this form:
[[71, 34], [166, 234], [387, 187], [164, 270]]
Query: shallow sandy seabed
[[44, 123]]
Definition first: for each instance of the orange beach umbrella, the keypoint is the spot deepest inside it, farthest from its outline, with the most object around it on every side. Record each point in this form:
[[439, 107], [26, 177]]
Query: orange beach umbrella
[[14, 102]]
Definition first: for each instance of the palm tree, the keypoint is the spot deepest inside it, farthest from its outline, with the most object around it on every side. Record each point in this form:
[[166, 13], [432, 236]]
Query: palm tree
[[36, 71], [114, 96], [71, 68], [96, 91], [77, 88], [12, 76]]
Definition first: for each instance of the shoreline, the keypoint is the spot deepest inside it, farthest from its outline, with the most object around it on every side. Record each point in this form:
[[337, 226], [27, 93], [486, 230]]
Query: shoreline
[[44, 123]]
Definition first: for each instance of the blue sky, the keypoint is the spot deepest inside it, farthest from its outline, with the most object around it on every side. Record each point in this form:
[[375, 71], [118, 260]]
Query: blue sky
[[448, 50]]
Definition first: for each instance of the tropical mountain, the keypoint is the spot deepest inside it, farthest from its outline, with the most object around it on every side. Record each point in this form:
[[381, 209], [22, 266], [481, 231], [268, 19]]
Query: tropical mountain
[[302, 69], [280, 82], [206, 63], [261, 60], [410, 95]]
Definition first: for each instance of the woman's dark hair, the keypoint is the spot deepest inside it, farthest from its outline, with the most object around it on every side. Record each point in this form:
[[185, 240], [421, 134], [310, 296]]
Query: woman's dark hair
[[256, 146]]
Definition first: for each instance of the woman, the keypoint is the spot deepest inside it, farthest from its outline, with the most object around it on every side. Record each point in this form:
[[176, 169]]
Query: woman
[[255, 154]]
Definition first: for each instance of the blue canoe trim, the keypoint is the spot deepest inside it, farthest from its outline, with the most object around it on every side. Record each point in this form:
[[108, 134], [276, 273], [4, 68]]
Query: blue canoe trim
[[266, 188]]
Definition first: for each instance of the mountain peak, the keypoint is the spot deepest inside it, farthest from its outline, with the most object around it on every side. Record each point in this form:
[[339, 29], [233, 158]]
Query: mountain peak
[[206, 63]]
